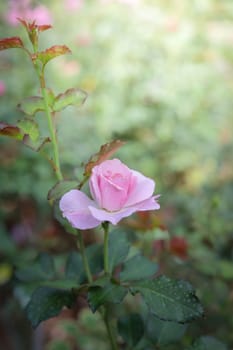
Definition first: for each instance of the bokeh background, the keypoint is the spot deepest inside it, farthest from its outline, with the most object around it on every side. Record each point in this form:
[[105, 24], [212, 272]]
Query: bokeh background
[[159, 75]]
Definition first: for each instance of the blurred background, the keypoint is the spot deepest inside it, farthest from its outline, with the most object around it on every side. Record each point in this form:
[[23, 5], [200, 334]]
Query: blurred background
[[159, 75]]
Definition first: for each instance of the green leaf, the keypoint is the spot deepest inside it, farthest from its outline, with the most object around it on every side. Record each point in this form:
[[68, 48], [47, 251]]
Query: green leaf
[[105, 291], [11, 43], [74, 267], [42, 269], [35, 145], [31, 105], [74, 97], [208, 343], [118, 247], [60, 188], [164, 332], [138, 267], [51, 53], [30, 128], [94, 254], [11, 131], [169, 300], [131, 329], [46, 303]]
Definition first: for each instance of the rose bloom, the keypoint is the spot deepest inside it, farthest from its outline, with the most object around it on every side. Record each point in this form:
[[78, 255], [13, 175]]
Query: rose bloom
[[117, 192]]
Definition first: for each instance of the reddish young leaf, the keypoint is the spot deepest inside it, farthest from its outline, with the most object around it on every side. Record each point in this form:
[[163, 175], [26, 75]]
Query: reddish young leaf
[[43, 27], [30, 26], [105, 152], [11, 130], [52, 52], [11, 43]]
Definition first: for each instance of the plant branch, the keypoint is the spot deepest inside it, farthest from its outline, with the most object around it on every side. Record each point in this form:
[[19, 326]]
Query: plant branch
[[84, 257]]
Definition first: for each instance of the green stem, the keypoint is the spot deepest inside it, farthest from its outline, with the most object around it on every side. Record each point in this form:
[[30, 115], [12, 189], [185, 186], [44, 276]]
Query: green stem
[[84, 257], [52, 134], [56, 161], [105, 226], [110, 331]]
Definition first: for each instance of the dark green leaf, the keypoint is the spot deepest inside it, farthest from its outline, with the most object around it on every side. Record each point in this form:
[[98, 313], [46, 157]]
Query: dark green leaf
[[61, 188], [105, 291], [208, 343], [46, 303], [138, 267], [164, 332], [30, 128], [74, 97], [74, 267], [42, 269], [169, 300], [131, 328], [118, 248], [94, 254], [31, 105]]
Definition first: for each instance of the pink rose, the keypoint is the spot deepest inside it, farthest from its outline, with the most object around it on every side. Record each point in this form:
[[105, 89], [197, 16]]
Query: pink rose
[[117, 192]]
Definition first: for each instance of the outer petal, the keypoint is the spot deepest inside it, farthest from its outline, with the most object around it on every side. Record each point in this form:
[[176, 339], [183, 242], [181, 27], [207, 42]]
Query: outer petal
[[75, 208], [148, 204], [113, 217], [142, 189]]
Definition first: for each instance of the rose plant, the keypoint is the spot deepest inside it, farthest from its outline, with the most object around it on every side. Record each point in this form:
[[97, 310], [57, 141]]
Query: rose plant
[[107, 271]]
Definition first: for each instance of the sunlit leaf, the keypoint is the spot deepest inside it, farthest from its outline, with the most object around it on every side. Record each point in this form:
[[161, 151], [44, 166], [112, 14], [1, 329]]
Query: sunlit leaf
[[168, 299], [35, 145], [11, 131], [30, 128], [31, 105], [30, 26], [52, 52], [47, 302], [74, 97], [105, 152], [11, 43]]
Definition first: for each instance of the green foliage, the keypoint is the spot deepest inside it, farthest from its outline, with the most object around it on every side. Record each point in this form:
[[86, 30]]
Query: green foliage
[[162, 332], [168, 299], [30, 128], [31, 105], [131, 328], [118, 248], [206, 343], [138, 267], [61, 188], [46, 303], [105, 291], [71, 97]]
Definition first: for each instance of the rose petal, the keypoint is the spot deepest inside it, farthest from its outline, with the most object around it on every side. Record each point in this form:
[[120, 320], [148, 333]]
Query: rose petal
[[75, 208], [148, 204], [113, 217], [142, 189]]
